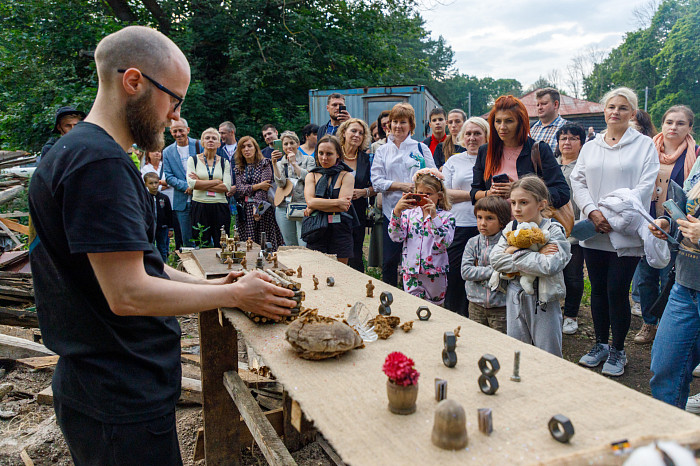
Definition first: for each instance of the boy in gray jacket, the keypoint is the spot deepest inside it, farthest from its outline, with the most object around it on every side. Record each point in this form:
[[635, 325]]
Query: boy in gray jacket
[[485, 306]]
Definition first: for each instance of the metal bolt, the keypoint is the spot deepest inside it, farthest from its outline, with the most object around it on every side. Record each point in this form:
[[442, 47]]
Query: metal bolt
[[516, 368]]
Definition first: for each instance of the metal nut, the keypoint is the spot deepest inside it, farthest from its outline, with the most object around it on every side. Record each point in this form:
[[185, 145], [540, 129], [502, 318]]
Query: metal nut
[[449, 358], [561, 428], [488, 365], [488, 384], [450, 341], [386, 298], [423, 313], [384, 310]]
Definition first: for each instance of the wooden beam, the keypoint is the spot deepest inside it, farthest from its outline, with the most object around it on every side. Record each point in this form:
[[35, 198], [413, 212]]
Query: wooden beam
[[191, 358], [190, 391], [298, 431], [219, 354], [9, 233], [264, 434], [11, 193], [18, 318], [198, 453], [45, 397], [14, 226], [329, 451], [42, 362], [19, 348], [15, 214]]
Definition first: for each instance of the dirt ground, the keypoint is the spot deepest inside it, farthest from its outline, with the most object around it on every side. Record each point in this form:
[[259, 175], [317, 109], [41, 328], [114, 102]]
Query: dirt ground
[[26, 424]]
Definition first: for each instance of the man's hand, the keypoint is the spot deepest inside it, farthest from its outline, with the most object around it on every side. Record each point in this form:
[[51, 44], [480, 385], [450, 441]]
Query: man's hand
[[690, 228], [188, 191], [255, 293], [343, 115]]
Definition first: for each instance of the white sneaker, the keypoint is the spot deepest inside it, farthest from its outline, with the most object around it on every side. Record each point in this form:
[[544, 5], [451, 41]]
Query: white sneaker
[[637, 310], [570, 326], [696, 371], [693, 404]]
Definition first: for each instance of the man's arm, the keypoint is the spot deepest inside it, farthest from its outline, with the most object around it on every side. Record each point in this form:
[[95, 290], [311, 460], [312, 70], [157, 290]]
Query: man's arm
[[130, 291]]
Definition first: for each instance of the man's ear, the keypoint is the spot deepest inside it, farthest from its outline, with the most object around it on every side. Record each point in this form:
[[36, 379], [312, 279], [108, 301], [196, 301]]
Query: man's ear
[[132, 80]]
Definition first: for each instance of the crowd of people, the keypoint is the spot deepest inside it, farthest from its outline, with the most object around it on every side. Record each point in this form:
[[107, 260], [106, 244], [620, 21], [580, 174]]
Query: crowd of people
[[444, 210]]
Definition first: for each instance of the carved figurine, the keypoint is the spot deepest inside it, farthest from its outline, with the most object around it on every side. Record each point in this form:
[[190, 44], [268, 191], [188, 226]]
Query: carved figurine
[[370, 289], [244, 263], [248, 244], [315, 281], [273, 259], [299, 272], [229, 262]]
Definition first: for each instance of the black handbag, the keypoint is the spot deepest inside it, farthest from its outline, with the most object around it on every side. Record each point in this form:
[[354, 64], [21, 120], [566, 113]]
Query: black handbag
[[314, 227]]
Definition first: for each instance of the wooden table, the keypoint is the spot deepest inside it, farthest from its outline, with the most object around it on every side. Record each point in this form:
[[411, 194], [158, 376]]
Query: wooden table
[[346, 399]]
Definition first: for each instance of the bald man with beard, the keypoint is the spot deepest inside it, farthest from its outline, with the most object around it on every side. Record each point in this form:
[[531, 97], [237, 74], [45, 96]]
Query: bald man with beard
[[104, 298]]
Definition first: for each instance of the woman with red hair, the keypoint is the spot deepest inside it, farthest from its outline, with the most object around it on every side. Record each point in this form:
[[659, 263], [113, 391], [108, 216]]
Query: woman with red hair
[[508, 156]]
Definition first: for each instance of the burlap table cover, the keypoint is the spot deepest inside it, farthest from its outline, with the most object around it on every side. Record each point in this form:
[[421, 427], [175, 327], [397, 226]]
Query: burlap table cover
[[346, 397]]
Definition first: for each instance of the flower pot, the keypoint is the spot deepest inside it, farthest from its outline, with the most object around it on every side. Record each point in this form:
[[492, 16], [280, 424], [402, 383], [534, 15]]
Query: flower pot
[[402, 399]]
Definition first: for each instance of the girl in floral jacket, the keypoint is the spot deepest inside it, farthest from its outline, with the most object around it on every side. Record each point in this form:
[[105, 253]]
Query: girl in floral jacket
[[422, 221]]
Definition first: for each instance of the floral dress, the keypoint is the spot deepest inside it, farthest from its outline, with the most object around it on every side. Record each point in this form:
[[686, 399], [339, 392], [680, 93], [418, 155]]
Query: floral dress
[[424, 262], [247, 226]]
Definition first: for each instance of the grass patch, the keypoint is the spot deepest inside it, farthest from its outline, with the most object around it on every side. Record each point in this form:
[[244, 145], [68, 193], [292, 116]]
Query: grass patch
[[586, 299]]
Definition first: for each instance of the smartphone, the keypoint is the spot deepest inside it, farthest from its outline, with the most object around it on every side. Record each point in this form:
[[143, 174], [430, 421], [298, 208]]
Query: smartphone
[[674, 211], [342, 108], [420, 200], [502, 178], [277, 145]]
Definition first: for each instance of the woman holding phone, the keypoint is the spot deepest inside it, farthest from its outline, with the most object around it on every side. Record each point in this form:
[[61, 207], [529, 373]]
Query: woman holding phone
[[508, 157], [290, 167]]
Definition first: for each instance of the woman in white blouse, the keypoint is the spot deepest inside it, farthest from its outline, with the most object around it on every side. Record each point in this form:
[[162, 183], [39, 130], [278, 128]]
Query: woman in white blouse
[[209, 175]]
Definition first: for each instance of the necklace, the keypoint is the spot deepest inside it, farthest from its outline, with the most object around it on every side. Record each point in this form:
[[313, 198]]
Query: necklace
[[347, 157]]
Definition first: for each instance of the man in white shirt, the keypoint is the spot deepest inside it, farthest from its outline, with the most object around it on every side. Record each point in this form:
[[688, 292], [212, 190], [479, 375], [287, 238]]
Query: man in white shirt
[[227, 130]]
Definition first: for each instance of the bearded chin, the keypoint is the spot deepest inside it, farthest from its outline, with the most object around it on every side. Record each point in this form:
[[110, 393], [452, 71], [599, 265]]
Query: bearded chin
[[144, 124]]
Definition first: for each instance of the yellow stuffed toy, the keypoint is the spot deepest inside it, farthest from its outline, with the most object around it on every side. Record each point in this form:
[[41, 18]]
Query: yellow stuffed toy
[[527, 235]]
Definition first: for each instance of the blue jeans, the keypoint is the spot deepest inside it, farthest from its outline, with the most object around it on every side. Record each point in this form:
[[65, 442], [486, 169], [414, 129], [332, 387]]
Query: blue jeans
[[291, 229], [651, 282], [635, 286], [184, 218], [676, 349], [163, 242]]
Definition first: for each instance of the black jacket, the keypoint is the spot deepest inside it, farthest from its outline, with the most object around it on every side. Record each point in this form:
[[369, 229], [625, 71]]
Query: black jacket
[[439, 156], [551, 173], [362, 181]]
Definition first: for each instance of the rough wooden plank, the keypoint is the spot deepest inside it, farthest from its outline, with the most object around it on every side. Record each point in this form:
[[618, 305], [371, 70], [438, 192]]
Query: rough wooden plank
[[11, 193], [191, 358], [14, 214], [25, 458], [264, 434], [42, 362], [296, 437], [329, 451], [14, 226], [45, 397], [198, 453], [9, 233], [19, 348], [251, 378], [18, 318], [189, 342], [190, 391], [219, 353]]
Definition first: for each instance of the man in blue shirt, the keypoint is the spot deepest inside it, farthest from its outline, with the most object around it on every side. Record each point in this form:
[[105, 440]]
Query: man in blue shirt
[[337, 115]]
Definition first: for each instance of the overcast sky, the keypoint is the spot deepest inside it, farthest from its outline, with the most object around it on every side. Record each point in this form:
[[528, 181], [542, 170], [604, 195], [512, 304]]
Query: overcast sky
[[524, 39]]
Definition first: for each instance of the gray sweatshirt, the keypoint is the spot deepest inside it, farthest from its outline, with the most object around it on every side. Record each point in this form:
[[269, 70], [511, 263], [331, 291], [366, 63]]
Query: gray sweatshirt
[[476, 271]]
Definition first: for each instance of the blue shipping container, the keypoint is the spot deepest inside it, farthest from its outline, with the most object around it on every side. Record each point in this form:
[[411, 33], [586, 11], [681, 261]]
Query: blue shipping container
[[368, 102]]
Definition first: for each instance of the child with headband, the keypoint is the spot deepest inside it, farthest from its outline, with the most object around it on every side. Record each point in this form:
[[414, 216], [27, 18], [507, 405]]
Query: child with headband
[[422, 221]]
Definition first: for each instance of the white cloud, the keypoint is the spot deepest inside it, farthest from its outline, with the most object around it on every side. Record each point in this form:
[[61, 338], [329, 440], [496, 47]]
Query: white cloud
[[526, 39]]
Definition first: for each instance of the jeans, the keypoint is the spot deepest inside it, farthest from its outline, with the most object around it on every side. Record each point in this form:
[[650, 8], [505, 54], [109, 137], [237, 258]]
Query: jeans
[[163, 242], [456, 295], [649, 289], [291, 229], [184, 218], [391, 253], [635, 286], [610, 278], [676, 349], [573, 281]]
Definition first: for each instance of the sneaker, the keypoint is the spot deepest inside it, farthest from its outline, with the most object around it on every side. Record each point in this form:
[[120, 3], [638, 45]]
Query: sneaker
[[595, 356], [646, 334], [693, 404], [570, 326], [615, 365], [696, 371], [637, 310]]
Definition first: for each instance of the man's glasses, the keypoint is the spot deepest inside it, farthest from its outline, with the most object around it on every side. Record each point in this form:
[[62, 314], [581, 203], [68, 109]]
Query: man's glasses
[[161, 87]]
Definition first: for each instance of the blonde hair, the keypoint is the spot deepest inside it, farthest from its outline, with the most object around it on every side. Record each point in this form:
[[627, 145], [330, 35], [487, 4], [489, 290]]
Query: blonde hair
[[433, 182], [344, 126], [290, 135], [211, 131], [625, 92], [534, 185], [478, 121]]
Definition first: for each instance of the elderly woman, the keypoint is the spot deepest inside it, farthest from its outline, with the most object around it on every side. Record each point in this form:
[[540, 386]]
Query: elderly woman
[[254, 177], [290, 169], [328, 191], [676, 148], [392, 172], [508, 156], [355, 138], [459, 171], [570, 139], [209, 176], [620, 158], [450, 146]]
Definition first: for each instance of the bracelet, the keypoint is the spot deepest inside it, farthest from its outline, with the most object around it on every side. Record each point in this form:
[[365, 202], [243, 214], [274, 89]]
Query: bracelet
[[367, 192]]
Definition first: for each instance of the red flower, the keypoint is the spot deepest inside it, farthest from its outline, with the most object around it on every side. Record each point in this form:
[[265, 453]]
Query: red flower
[[400, 370]]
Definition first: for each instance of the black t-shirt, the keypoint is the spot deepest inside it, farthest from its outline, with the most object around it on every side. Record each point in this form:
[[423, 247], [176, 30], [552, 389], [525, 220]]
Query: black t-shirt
[[87, 196]]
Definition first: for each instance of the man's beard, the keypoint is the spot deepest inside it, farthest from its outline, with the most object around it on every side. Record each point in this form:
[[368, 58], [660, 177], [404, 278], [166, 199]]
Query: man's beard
[[146, 129]]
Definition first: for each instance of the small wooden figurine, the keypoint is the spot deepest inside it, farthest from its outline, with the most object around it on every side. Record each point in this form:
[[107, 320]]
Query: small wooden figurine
[[315, 281], [299, 272], [273, 259], [244, 263], [370, 289], [229, 262], [248, 244]]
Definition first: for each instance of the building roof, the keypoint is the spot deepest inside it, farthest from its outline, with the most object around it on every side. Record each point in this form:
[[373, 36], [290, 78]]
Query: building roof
[[569, 106]]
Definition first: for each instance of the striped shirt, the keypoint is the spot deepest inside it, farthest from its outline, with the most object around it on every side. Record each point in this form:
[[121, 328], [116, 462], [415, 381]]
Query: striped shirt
[[547, 133]]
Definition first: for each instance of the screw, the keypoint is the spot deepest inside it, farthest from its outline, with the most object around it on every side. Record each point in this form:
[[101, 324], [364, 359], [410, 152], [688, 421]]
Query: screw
[[516, 368]]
